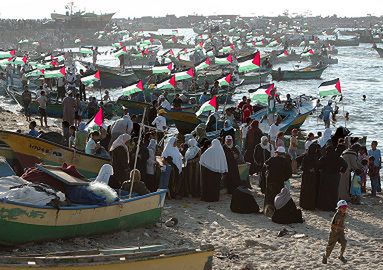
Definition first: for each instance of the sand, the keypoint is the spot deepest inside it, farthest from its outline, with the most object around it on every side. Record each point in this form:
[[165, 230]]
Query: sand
[[241, 241]]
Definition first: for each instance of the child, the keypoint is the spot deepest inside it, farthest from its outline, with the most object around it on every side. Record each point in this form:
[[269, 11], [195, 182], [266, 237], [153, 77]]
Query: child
[[72, 131], [356, 189], [280, 140], [363, 158], [293, 149], [337, 232], [378, 161], [92, 146], [373, 173], [32, 129]]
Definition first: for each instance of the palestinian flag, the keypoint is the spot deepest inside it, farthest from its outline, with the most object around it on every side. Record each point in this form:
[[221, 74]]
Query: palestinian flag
[[34, 73], [90, 79], [227, 49], [330, 88], [132, 89], [86, 50], [262, 93], [208, 106], [7, 54], [121, 51], [168, 83], [41, 65], [210, 53], [307, 53], [184, 75], [163, 69], [57, 73], [96, 122], [224, 61], [225, 81], [204, 65], [18, 60], [250, 65], [273, 43], [284, 54]]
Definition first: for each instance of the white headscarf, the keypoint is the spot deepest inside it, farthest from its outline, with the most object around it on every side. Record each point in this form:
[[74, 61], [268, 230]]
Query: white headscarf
[[282, 198], [172, 151], [214, 158], [120, 141], [192, 150], [104, 174], [325, 138]]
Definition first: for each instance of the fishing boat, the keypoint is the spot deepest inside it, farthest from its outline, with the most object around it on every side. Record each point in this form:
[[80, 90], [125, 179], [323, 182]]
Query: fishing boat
[[307, 73], [293, 118], [133, 258], [24, 222], [185, 122], [54, 110], [255, 77], [111, 78], [30, 151]]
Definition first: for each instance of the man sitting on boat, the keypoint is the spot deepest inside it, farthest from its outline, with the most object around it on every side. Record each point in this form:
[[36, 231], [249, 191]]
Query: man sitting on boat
[[288, 103], [93, 147], [135, 184]]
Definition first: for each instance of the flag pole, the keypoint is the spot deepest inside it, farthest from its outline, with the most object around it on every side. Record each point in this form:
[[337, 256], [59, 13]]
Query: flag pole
[[137, 150]]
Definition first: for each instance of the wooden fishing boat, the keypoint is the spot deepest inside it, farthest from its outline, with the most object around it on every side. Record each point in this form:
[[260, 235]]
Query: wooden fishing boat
[[23, 222], [307, 73], [155, 257], [255, 77], [29, 151], [291, 119], [380, 51], [54, 110], [185, 122]]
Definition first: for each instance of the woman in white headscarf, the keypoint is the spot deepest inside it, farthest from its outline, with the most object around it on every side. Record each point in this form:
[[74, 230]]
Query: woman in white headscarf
[[119, 153], [322, 141], [286, 211], [171, 150], [150, 166], [213, 165], [193, 149]]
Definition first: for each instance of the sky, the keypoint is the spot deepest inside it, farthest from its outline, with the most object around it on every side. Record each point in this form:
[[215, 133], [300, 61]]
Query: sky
[[134, 8]]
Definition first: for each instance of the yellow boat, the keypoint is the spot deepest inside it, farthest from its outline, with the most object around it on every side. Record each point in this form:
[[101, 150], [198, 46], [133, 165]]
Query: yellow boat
[[138, 258], [29, 151]]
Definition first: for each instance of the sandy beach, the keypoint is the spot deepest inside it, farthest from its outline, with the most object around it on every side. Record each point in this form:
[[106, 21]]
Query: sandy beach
[[249, 241]]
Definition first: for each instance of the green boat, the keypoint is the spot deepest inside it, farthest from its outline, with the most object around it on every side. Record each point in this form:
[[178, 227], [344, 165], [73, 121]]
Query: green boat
[[307, 73], [255, 77]]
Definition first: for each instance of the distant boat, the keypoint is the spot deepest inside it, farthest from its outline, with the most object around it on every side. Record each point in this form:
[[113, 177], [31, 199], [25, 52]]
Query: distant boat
[[81, 19], [307, 73]]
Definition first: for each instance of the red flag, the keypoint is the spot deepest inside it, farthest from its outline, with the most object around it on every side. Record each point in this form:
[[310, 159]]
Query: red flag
[[97, 75], [54, 63], [98, 118], [230, 58], [257, 59], [201, 44], [172, 81], [146, 51], [171, 52], [228, 78], [124, 49], [170, 66], [140, 85], [337, 86], [42, 71], [213, 102], [25, 59], [190, 72], [151, 39], [63, 71], [12, 52], [285, 52], [207, 61], [268, 90], [232, 46]]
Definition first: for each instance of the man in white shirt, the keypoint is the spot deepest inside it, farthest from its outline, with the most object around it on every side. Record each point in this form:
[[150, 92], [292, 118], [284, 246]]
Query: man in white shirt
[[43, 100], [91, 146], [273, 131], [165, 104], [160, 121]]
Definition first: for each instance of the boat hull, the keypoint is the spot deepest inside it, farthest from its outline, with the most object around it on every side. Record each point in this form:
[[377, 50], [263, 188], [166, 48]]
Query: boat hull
[[185, 122], [286, 75], [29, 151], [169, 259], [22, 223]]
